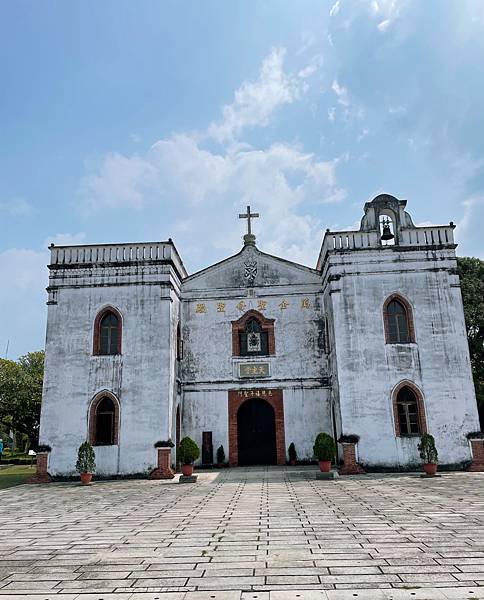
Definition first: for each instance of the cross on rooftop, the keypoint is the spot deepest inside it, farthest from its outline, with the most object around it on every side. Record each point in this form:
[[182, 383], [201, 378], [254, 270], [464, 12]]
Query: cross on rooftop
[[248, 215]]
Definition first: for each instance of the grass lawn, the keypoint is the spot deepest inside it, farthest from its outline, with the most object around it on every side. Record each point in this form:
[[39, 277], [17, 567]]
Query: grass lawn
[[14, 475]]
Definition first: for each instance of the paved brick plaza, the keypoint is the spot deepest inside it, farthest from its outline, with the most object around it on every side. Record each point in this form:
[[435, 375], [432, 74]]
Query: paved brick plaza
[[256, 533]]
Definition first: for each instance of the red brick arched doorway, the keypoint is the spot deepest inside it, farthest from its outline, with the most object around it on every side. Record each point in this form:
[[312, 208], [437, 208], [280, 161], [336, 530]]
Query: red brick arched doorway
[[271, 397]]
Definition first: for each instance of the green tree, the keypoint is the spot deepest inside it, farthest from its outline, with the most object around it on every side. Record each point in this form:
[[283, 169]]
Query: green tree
[[21, 394], [471, 271]]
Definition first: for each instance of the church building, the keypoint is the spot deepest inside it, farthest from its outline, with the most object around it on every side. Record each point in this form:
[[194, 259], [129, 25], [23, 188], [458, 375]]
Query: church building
[[256, 351]]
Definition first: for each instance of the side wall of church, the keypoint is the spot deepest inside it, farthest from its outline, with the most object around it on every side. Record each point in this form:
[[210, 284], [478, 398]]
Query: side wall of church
[[141, 377], [368, 369]]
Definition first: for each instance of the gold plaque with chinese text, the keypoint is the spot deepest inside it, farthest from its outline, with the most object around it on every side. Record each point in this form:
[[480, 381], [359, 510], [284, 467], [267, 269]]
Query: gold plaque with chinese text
[[254, 370]]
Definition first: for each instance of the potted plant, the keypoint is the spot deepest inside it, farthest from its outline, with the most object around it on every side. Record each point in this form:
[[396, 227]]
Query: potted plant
[[188, 452], [350, 438], [164, 444], [43, 448], [86, 462], [324, 450], [220, 457], [428, 453], [291, 451]]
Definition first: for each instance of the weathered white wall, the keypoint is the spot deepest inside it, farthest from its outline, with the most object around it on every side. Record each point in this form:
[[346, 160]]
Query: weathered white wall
[[142, 377], [368, 370], [206, 410], [306, 413], [210, 370]]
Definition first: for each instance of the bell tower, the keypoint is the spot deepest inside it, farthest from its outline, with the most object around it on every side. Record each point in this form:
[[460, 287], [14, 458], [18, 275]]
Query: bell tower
[[392, 295]]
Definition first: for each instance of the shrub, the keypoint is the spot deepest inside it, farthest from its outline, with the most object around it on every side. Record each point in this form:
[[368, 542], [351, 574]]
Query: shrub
[[350, 438], [220, 455], [43, 448], [86, 459], [291, 451], [427, 449], [164, 444], [188, 451], [475, 435], [324, 447]]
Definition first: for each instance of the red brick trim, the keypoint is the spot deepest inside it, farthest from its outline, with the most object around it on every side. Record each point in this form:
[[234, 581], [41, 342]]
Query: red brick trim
[[275, 398], [267, 326], [422, 420], [41, 472], [92, 417], [96, 343], [408, 312], [477, 448], [350, 464], [163, 469]]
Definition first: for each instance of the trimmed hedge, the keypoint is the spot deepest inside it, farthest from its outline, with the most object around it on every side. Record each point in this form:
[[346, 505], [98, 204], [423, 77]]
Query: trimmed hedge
[[19, 461]]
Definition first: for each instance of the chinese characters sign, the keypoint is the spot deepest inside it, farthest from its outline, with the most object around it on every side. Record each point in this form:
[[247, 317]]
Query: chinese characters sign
[[253, 369], [222, 307]]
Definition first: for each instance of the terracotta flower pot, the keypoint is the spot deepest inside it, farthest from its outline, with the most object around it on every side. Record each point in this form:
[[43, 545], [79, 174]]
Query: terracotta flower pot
[[187, 470], [325, 466], [86, 478], [430, 468]]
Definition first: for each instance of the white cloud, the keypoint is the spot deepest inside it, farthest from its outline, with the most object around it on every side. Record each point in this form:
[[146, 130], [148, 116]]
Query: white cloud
[[383, 26], [312, 67], [397, 110], [334, 9], [387, 12], [16, 207], [468, 232], [341, 93], [279, 181], [308, 40], [469, 205], [65, 239], [127, 179], [188, 187], [255, 101]]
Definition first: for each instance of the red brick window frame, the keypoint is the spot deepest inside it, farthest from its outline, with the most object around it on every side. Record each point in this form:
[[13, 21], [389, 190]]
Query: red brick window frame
[[239, 326], [420, 407], [96, 345], [407, 309], [275, 398], [93, 419]]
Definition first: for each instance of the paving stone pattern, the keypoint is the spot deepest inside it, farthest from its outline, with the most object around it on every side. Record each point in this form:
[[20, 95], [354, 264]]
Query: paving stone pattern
[[261, 533]]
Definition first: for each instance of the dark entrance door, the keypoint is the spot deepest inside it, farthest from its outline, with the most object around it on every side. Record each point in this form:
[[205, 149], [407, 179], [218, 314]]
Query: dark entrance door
[[256, 433]]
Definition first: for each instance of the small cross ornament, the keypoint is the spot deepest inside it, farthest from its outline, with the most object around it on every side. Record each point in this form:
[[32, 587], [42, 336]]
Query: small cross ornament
[[248, 215], [249, 237]]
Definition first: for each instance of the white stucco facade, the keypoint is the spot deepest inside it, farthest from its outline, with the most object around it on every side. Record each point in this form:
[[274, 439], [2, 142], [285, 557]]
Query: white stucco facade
[[329, 363]]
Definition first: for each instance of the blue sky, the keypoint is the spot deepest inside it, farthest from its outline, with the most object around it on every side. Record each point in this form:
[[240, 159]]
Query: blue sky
[[138, 121]]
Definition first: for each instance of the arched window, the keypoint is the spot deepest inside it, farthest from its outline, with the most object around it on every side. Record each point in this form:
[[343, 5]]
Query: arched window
[[253, 335], [107, 333], [408, 411], [398, 321], [104, 420]]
